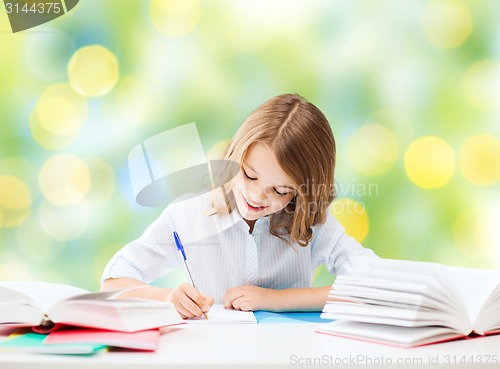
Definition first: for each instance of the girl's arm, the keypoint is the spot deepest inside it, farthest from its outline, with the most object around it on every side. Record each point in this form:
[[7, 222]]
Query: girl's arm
[[188, 301], [252, 298], [147, 292]]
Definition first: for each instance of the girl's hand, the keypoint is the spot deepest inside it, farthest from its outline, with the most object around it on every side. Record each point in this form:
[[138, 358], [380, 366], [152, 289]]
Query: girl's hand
[[189, 302], [250, 298]]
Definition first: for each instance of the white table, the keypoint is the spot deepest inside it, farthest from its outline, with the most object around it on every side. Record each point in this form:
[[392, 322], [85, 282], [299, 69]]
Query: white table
[[269, 345]]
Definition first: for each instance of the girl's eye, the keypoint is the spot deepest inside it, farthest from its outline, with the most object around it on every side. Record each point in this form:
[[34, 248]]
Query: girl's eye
[[280, 193], [247, 176]]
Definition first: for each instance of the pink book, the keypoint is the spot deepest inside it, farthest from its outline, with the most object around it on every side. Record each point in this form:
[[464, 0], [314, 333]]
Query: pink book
[[143, 340]]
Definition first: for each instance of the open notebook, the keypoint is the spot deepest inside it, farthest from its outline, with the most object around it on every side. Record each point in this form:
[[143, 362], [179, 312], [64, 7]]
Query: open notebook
[[218, 314]]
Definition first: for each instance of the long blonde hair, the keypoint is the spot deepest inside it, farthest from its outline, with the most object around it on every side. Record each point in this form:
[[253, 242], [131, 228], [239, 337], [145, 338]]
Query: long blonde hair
[[301, 138]]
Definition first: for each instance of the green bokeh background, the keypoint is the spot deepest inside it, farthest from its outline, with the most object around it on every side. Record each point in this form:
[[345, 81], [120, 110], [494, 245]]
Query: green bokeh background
[[414, 68]]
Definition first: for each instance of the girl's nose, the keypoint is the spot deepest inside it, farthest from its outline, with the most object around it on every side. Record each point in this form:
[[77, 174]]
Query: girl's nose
[[258, 193]]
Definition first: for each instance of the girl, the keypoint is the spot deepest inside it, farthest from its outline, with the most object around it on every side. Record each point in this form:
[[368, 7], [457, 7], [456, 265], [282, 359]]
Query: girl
[[257, 249]]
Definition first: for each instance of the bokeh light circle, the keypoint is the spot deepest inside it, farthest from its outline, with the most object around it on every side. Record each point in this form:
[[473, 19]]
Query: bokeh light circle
[[58, 116], [93, 71], [15, 201], [429, 162], [353, 216], [64, 223], [479, 159], [174, 18], [446, 23], [46, 139], [64, 179], [372, 149], [482, 85]]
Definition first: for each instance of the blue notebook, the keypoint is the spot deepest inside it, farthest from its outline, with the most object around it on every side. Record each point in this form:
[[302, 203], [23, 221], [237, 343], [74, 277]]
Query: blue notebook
[[292, 317]]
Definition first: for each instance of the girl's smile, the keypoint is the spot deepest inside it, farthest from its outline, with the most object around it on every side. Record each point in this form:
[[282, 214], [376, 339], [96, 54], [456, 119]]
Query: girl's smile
[[253, 208]]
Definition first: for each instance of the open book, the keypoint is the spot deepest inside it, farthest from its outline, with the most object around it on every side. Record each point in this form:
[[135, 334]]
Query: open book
[[41, 305], [408, 303]]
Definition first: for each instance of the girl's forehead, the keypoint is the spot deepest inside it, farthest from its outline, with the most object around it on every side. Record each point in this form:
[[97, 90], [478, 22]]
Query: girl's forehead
[[261, 160]]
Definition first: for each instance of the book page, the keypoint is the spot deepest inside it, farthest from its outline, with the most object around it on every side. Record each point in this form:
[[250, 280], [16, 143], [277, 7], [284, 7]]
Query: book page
[[421, 278], [473, 287], [410, 316], [392, 335], [218, 314], [412, 276], [41, 294], [385, 290]]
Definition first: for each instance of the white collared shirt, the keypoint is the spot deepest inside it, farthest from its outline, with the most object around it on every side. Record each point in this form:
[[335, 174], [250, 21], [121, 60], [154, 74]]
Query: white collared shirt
[[221, 253]]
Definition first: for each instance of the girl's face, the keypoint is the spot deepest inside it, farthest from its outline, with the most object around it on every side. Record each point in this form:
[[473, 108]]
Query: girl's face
[[261, 187]]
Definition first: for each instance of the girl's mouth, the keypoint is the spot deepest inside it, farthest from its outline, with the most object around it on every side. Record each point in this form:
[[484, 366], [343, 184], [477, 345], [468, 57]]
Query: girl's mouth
[[252, 208]]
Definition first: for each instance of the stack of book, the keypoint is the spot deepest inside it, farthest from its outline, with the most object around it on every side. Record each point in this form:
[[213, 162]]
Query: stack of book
[[409, 303], [57, 318]]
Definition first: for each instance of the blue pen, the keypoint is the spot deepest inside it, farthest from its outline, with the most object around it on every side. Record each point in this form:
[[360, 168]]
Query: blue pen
[[184, 259]]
